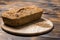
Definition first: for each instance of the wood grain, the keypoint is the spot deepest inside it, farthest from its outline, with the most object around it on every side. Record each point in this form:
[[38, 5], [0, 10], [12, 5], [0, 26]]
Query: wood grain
[[52, 12]]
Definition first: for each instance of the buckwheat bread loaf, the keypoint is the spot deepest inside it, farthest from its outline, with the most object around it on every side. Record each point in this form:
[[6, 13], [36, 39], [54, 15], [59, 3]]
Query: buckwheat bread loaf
[[20, 16]]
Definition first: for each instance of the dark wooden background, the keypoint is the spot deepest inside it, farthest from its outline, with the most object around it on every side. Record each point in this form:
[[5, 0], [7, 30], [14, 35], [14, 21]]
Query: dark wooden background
[[51, 12]]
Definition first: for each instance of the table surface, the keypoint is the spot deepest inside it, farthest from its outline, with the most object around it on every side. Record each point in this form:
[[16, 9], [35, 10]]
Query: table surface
[[51, 12]]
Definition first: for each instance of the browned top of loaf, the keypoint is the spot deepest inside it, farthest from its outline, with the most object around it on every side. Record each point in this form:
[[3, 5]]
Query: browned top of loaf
[[15, 13]]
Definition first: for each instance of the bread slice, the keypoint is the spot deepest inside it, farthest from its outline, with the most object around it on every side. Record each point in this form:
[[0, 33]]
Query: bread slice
[[21, 15]]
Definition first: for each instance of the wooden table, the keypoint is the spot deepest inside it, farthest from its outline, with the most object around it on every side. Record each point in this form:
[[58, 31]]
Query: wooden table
[[51, 12]]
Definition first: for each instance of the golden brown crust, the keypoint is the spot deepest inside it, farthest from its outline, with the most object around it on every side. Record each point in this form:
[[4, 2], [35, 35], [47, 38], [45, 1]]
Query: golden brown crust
[[15, 13]]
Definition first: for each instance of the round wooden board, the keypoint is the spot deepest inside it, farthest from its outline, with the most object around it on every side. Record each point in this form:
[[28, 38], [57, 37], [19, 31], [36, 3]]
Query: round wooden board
[[40, 26]]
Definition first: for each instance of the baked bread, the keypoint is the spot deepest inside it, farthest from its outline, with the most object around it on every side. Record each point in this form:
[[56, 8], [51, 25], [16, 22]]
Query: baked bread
[[20, 16]]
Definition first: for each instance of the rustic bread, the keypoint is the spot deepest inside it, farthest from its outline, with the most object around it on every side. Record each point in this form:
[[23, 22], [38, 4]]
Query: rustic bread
[[20, 16]]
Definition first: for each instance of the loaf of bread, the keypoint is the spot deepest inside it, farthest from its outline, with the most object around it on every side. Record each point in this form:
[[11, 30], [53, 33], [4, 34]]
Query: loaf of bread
[[20, 16]]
